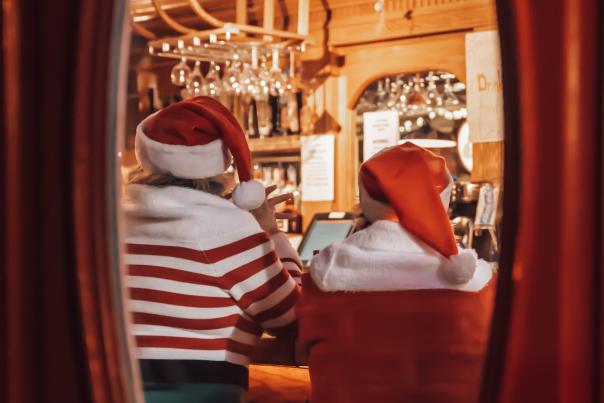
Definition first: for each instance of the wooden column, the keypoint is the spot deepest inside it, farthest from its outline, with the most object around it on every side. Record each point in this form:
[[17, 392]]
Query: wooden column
[[488, 162], [241, 12], [303, 15], [268, 21]]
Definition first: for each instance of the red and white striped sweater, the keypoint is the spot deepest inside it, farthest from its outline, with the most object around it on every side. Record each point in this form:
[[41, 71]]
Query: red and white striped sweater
[[204, 280]]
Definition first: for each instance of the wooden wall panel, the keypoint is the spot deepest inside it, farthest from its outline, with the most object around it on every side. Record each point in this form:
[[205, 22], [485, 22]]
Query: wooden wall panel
[[364, 64], [360, 23], [350, 21], [488, 162]]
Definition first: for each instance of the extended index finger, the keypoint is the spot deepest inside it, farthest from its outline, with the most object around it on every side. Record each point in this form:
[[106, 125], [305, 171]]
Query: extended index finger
[[279, 199], [269, 189]]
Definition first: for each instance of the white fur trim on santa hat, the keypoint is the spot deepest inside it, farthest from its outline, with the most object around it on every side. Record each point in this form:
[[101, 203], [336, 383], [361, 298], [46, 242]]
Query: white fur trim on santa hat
[[249, 195], [189, 162], [386, 257]]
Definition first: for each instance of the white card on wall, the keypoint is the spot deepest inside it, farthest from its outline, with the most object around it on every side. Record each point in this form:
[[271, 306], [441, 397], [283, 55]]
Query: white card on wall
[[486, 209], [318, 167], [484, 87], [380, 130]]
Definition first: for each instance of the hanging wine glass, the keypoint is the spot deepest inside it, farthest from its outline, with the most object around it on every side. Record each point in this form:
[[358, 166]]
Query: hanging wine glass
[[259, 91], [292, 80], [277, 81], [394, 93], [433, 97], [417, 100], [213, 83], [249, 75], [451, 106], [264, 78], [400, 81], [180, 73], [440, 117], [230, 79], [402, 102], [449, 97], [184, 93], [365, 103], [249, 81], [195, 83], [380, 95]]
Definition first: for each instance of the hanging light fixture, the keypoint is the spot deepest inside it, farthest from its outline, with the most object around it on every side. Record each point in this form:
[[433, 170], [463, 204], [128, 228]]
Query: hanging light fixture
[[464, 146], [428, 138]]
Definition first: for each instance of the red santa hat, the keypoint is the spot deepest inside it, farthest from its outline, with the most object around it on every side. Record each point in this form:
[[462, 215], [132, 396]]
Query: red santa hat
[[195, 139], [411, 185]]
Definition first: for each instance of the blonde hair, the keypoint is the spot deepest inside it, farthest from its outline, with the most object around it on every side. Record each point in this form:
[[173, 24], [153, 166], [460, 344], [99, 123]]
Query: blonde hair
[[217, 185]]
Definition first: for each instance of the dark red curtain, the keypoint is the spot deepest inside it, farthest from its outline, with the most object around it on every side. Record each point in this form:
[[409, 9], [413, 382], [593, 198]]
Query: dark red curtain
[[58, 328], [547, 338], [3, 352]]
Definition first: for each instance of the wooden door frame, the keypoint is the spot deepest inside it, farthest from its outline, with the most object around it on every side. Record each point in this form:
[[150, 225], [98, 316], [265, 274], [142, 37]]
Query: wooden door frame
[[497, 347]]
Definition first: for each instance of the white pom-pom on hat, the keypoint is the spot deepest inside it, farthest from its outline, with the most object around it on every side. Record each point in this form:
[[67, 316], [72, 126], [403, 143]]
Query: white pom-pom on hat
[[460, 268], [249, 195]]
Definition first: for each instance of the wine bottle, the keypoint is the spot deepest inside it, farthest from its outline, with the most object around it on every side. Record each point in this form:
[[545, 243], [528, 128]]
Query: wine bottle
[[284, 118], [275, 109], [293, 112], [240, 110], [307, 117], [252, 120], [292, 206], [151, 98], [264, 119], [279, 178]]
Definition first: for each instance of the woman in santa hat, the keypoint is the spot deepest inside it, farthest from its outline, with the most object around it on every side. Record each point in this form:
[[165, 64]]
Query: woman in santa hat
[[207, 269], [397, 312]]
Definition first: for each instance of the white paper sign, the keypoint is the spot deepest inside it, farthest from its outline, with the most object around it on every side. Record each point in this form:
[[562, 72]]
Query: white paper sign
[[317, 167], [380, 130], [486, 210], [484, 87]]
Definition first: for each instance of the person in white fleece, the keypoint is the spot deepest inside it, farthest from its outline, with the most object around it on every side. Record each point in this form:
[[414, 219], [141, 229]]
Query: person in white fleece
[[207, 270], [397, 312]]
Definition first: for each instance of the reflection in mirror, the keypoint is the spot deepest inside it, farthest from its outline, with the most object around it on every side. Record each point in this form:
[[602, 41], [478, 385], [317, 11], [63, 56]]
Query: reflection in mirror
[[244, 146]]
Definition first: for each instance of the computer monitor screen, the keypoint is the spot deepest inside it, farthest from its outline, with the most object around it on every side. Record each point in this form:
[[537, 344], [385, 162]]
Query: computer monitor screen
[[322, 233]]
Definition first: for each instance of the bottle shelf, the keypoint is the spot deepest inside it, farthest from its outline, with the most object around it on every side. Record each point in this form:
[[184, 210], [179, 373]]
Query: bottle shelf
[[275, 145], [268, 159]]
